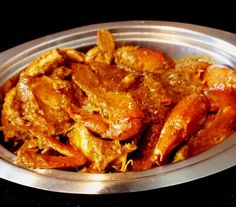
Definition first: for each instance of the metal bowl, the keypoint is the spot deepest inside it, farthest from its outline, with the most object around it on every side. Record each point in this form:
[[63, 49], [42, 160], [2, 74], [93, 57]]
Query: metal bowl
[[176, 39]]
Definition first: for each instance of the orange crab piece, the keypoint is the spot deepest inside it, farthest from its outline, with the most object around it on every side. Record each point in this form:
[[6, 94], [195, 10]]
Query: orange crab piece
[[220, 77], [141, 59], [185, 119], [218, 126]]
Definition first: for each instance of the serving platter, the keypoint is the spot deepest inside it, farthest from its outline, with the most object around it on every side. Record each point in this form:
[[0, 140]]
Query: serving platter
[[175, 39]]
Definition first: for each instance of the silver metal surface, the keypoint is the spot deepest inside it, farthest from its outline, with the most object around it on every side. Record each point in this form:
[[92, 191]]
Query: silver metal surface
[[176, 39]]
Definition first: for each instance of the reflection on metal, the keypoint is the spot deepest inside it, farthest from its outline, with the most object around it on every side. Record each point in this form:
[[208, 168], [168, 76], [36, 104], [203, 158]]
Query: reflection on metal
[[176, 39]]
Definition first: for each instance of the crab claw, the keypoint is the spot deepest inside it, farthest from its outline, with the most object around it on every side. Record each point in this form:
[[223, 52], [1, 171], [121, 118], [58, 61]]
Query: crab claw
[[218, 126], [185, 119]]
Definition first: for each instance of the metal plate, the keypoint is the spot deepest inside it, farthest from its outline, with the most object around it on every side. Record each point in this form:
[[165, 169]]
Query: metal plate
[[176, 39]]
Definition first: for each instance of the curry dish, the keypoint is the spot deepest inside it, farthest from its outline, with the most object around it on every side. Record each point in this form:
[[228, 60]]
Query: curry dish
[[115, 109]]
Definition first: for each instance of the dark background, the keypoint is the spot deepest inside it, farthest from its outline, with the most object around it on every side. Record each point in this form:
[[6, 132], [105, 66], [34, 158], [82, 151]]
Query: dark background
[[21, 22]]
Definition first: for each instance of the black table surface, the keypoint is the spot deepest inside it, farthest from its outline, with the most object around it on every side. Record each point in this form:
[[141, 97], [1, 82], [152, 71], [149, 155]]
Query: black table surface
[[215, 190]]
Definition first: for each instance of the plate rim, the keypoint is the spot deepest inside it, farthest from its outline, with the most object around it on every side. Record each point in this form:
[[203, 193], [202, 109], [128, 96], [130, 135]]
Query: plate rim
[[96, 187]]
